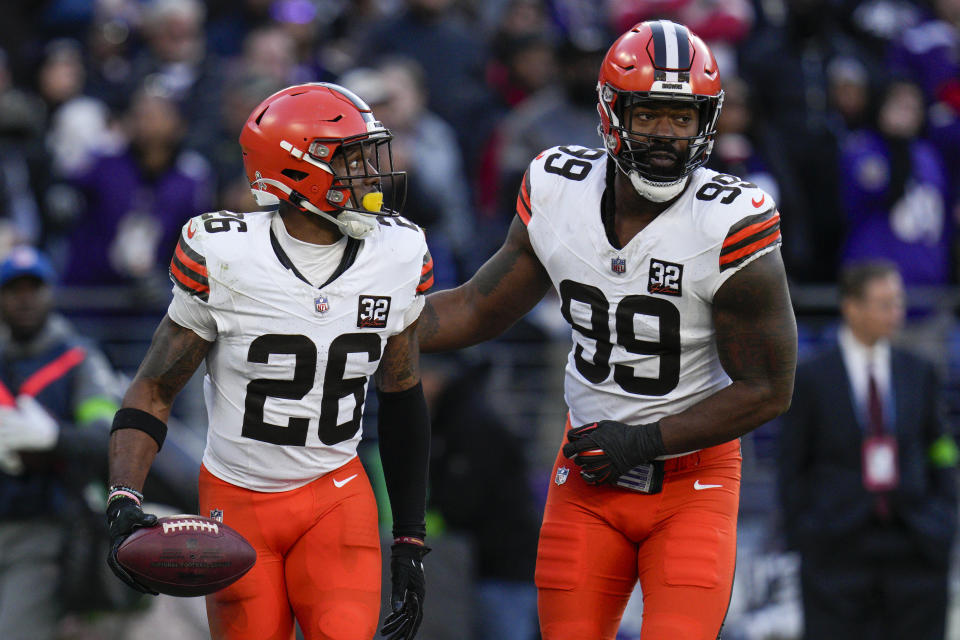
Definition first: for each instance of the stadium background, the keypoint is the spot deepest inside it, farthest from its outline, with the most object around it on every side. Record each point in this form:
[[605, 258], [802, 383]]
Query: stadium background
[[119, 120]]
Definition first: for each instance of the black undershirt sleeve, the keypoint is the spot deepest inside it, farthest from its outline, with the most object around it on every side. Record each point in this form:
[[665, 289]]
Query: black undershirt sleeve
[[404, 432]]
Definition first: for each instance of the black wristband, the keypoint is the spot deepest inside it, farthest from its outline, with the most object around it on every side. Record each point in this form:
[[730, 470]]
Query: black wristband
[[404, 428], [130, 418], [650, 441]]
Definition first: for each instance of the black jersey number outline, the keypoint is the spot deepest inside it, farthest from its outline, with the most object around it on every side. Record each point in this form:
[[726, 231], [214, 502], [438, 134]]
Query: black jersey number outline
[[597, 369], [723, 182], [221, 220], [574, 168], [335, 387]]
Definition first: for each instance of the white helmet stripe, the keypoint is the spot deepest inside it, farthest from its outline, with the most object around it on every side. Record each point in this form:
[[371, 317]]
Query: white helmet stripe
[[671, 49], [670, 40]]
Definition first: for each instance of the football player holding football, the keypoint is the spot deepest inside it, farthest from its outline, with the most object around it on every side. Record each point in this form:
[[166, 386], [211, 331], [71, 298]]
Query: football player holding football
[[684, 339], [293, 310]]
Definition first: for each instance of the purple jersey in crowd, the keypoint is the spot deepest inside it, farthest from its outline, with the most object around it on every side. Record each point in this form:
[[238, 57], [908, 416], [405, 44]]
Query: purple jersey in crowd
[[119, 196], [915, 232]]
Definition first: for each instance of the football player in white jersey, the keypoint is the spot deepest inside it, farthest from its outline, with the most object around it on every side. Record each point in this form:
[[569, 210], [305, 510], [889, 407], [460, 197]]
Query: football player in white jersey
[[684, 339], [293, 310]]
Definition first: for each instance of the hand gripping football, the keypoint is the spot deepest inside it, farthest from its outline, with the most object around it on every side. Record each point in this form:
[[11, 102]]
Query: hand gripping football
[[187, 555]]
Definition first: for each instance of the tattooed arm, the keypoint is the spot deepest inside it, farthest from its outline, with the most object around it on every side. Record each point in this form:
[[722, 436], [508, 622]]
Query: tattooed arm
[[174, 355], [505, 288], [756, 337], [400, 365]]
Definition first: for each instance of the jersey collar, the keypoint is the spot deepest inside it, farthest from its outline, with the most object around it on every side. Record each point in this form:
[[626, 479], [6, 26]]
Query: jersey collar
[[349, 257]]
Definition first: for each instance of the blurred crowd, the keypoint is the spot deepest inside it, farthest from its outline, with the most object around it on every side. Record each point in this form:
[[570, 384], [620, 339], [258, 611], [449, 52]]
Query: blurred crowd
[[119, 118]]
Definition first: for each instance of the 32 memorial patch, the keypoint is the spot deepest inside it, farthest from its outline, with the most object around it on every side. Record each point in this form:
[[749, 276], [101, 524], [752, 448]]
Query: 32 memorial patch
[[665, 277], [372, 312]]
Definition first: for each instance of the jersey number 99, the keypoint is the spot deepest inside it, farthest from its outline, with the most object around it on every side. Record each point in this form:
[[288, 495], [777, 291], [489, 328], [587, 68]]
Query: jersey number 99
[[597, 370]]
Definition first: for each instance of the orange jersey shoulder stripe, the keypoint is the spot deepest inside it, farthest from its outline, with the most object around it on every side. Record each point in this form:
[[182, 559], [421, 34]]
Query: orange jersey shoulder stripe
[[748, 231], [188, 261], [523, 211], [734, 256], [427, 266], [191, 253], [426, 273], [425, 284], [523, 199], [187, 283], [188, 269]]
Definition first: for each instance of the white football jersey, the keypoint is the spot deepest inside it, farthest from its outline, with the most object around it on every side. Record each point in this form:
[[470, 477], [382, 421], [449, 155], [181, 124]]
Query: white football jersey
[[643, 336], [287, 373]]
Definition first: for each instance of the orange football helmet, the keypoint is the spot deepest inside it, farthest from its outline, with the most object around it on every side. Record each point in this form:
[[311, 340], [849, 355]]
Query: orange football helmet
[[319, 147], [658, 60]]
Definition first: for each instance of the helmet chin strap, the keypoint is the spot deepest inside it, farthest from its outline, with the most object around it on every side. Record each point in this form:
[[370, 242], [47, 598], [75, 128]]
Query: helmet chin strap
[[352, 223], [657, 191]]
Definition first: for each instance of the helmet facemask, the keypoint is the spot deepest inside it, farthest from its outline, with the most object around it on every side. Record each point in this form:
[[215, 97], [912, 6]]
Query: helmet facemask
[[634, 152], [364, 181], [631, 150]]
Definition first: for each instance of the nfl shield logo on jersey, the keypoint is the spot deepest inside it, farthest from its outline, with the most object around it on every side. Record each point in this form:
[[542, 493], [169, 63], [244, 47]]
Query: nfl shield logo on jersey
[[619, 265], [216, 514], [323, 305], [562, 474]]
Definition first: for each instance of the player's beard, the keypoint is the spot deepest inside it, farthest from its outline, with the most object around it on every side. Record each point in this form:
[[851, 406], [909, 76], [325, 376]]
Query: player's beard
[[657, 171], [658, 182]]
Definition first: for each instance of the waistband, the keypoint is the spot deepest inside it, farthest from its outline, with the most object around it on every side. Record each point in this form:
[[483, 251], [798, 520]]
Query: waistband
[[729, 449]]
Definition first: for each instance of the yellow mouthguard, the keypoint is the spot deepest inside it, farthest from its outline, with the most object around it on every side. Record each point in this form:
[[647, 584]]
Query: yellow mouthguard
[[373, 201]]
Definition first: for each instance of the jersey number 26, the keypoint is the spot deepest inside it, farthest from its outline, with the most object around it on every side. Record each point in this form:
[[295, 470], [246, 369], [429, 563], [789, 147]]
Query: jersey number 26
[[335, 387]]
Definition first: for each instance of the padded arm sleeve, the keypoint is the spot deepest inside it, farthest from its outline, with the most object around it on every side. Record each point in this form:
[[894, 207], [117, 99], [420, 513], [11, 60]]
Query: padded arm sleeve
[[404, 428]]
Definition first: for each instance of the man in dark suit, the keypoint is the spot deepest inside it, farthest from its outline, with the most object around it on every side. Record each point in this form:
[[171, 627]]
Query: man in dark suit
[[866, 475]]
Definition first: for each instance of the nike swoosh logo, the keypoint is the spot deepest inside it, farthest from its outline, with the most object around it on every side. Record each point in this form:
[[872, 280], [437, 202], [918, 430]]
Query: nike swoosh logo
[[340, 483], [701, 487], [190, 230], [757, 203]]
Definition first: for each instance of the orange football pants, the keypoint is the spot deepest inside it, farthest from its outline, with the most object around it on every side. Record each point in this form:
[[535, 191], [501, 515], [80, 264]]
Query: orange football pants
[[597, 541], [318, 558]]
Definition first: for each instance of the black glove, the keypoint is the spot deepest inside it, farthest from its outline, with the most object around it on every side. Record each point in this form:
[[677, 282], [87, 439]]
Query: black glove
[[124, 516], [606, 450], [409, 588]]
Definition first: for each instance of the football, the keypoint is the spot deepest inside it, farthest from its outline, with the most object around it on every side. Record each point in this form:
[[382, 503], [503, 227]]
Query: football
[[186, 555]]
